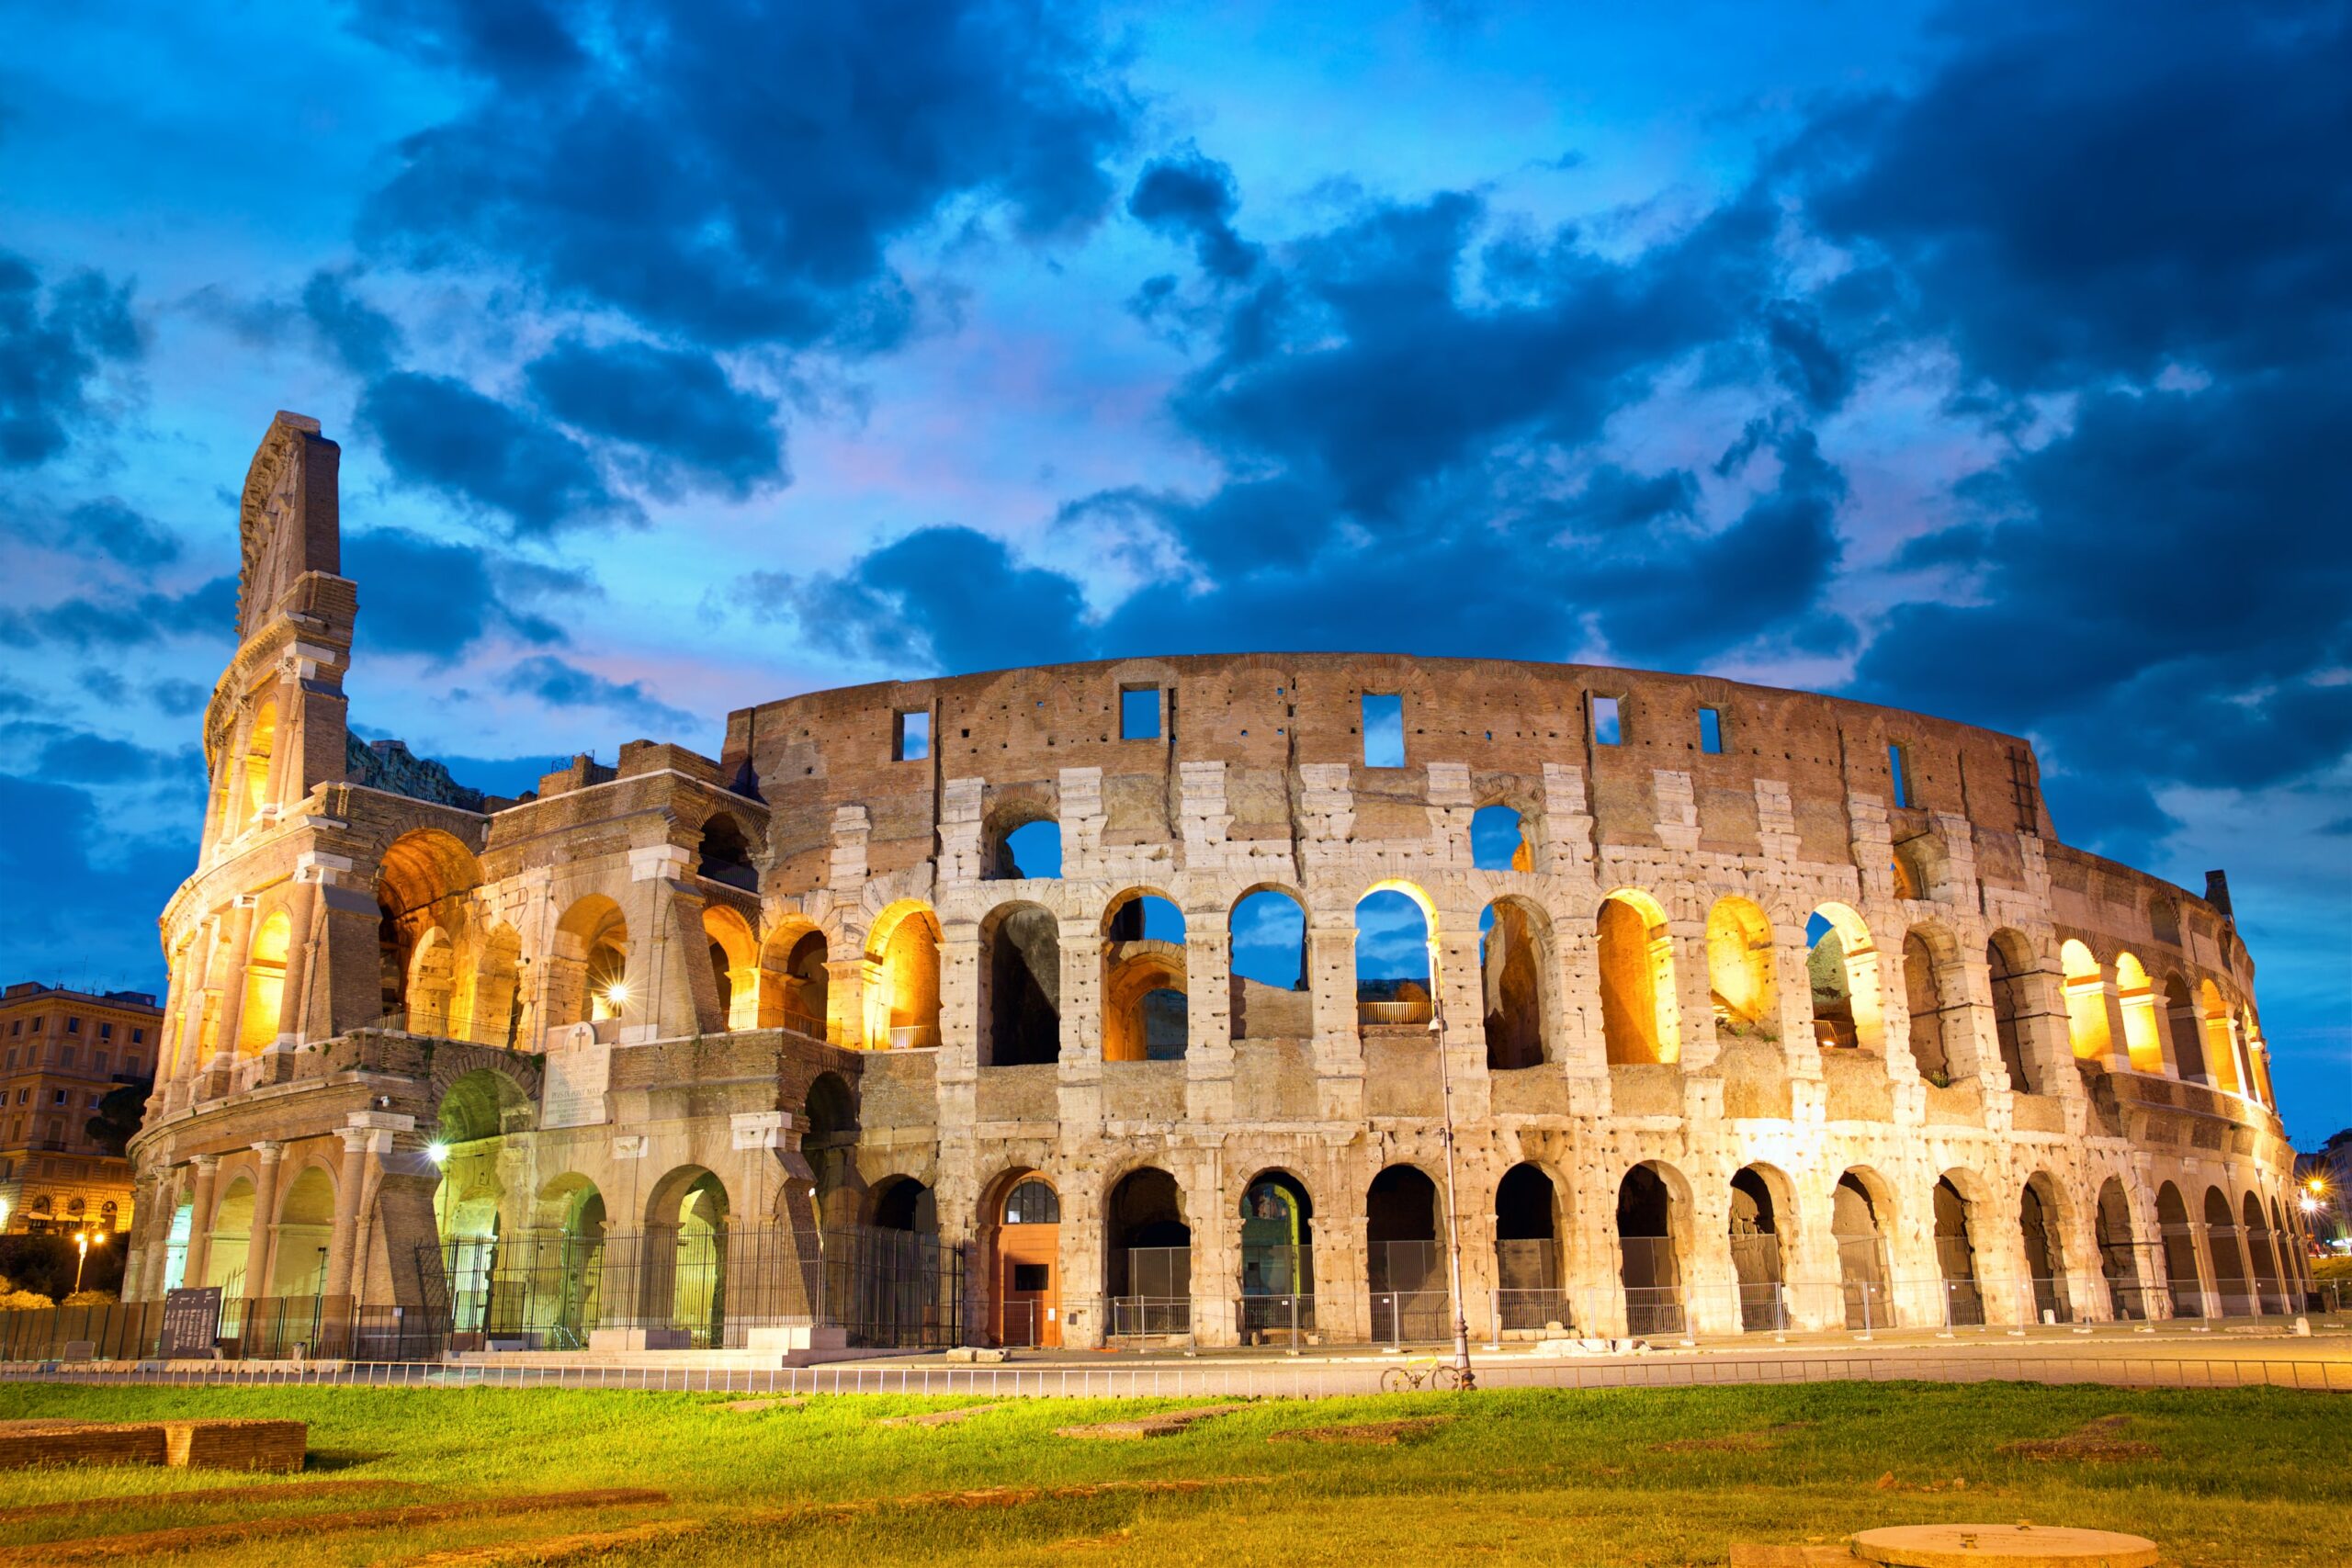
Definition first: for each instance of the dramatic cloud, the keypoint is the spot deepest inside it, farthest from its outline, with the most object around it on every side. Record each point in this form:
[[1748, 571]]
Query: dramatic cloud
[[362, 337], [693, 427], [444, 435], [551, 680], [951, 597], [1192, 197], [129, 621], [425, 596], [733, 172], [54, 342]]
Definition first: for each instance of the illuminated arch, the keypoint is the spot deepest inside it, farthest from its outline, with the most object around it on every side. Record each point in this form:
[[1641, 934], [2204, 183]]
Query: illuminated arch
[[259, 1024], [902, 1002], [2135, 994], [2085, 991], [1639, 1022], [734, 957], [1740, 962]]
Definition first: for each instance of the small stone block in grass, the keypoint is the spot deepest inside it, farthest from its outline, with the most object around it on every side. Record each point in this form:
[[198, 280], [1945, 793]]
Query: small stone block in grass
[[1167, 1424], [1373, 1434], [236, 1445]]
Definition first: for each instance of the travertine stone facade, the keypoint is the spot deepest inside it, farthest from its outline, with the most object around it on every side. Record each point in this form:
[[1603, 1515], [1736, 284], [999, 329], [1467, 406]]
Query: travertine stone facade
[[674, 968]]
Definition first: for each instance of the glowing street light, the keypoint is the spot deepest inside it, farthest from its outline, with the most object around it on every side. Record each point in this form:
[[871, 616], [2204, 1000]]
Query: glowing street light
[[616, 995], [436, 1150], [83, 1241]]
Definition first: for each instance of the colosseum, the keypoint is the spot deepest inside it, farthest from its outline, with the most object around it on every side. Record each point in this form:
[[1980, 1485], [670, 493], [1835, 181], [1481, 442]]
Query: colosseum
[[1200, 998]]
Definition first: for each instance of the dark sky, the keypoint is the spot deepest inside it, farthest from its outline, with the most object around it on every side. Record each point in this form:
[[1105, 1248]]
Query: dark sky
[[1994, 362]]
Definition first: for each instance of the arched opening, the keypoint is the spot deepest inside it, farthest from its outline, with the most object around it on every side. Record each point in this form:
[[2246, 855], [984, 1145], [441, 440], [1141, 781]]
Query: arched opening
[[1277, 1259], [493, 997], [1149, 1266], [2262, 1246], [1511, 968], [1269, 991], [905, 1204], [2045, 1252], [1144, 984], [432, 982], [467, 1139], [2178, 1236], [1908, 875], [2005, 956], [1024, 1247], [682, 1274], [175, 1246], [1756, 1253], [2136, 995], [1956, 1258], [1401, 1258], [1028, 850], [734, 955], [725, 854], [569, 1298], [905, 1007], [1499, 841], [2180, 1018], [589, 967], [1392, 961], [1923, 997], [1854, 1220], [1647, 1263], [2221, 1051], [305, 1225], [1637, 957], [252, 767], [258, 1025], [2119, 1261], [232, 1234], [805, 986], [2231, 1285], [2085, 991], [1021, 968], [420, 883], [1841, 971], [1739, 971], [829, 1143], [892, 1274], [1526, 1251]]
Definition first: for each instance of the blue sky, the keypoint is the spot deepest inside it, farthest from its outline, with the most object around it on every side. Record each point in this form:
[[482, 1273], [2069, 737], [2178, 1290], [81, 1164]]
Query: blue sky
[[1991, 361]]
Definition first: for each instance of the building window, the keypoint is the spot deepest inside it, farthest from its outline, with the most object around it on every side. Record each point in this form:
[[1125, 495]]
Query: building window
[[23, 1095], [72, 1026], [1606, 729], [106, 1031], [1898, 773], [92, 1102], [1139, 713], [131, 1065], [12, 1056], [66, 1056], [1711, 731], [17, 1026], [1384, 729], [57, 1096], [138, 1037], [910, 739], [98, 1060]]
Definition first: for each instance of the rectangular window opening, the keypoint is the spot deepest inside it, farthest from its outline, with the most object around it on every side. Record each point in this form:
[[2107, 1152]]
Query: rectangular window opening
[[1384, 729], [911, 740], [1606, 729], [1711, 731], [1139, 713], [1032, 1276], [1898, 773]]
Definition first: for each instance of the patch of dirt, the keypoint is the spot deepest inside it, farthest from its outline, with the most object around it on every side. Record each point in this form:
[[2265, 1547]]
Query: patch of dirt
[[2099, 1439], [772, 1402], [548, 1547], [945, 1417], [144, 1543], [1888, 1483], [293, 1492], [1167, 1424], [993, 1498], [1381, 1434]]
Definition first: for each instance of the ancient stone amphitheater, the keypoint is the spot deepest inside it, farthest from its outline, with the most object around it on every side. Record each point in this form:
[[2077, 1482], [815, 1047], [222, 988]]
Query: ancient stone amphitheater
[[1134, 1000]]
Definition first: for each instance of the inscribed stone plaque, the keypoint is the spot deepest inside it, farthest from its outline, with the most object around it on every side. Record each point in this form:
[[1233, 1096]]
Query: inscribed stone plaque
[[576, 1081], [191, 1321]]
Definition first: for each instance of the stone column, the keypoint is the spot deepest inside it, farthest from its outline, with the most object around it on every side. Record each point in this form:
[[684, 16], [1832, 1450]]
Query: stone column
[[363, 1145], [199, 1230], [1208, 1015], [261, 1248], [233, 1000], [1078, 941], [848, 982], [302, 916]]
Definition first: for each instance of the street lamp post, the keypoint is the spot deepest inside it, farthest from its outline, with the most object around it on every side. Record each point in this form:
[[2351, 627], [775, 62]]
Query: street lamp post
[[1468, 1379], [81, 1242]]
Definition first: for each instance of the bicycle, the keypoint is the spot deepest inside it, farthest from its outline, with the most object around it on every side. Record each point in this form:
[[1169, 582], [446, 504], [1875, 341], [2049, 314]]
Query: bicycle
[[1428, 1372]]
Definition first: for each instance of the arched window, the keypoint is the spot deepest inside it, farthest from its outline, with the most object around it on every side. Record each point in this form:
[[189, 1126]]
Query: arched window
[[1512, 973], [905, 1008], [726, 854], [2085, 989], [1033, 849], [1842, 971], [1392, 960], [1270, 995], [1033, 1202], [1636, 956], [1499, 841], [1924, 998], [2136, 995], [1143, 980], [2187, 1042], [1739, 971], [1021, 987], [259, 1024], [261, 742], [2004, 957]]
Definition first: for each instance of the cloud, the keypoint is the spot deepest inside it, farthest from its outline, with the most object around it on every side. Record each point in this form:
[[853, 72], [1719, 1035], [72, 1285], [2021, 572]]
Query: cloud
[[107, 526], [361, 337], [553, 680], [949, 598], [692, 424], [105, 933], [207, 611], [734, 173], [1190, 197], [179, 699], [442, 434], [425, 596], [54, 342]]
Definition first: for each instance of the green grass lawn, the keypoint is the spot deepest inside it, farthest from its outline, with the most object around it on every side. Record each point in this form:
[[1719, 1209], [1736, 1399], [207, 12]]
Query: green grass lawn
[[2250, 1476]]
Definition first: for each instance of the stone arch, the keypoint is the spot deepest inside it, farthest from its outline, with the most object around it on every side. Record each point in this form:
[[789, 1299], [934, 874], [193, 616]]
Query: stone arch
[[2044, 1222], [1636, 961], [2262, 1246], [1652, 1215], [1499, 840], [232, 1230], [589, 981], [2232, 1284], [903, 1010], [829, 1131], [903, 1204], [305, 1229], [421, 878], [2176, 1233], [1956, 1249], [431, 986], [723, 854], [2136, 997], [1923, 997], [253, 764], [2008, 960], [1528, 1225], [258, 1025], [569, 1257], [2214, 1026], [1515, 964], [2118, 1260], [683, 1269], [1862, 1215], [1741, 962], [1147, 1244], [1270, 997], [2084, 987], [1020, 987], [1022, 841], [1020, 1246], [2188, 1040], [733, 952], [1841, 968], [1395, 955], [1145, 990], [1403, 1263], [1277, 1219], [1763, 1212]]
